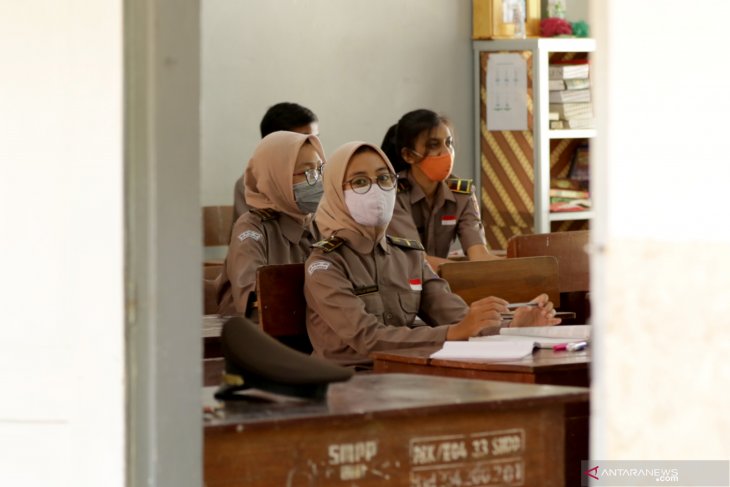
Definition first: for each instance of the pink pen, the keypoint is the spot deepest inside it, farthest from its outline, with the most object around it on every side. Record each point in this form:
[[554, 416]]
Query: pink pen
[[560, 347]]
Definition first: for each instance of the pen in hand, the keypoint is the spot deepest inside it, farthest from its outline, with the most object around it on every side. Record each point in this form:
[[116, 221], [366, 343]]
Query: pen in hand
[[514, 306], [521, 305]]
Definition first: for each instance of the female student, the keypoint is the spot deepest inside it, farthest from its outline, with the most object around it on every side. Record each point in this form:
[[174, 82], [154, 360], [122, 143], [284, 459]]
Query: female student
[[283, 183], [432, 205], [364, 290], [282, 116]]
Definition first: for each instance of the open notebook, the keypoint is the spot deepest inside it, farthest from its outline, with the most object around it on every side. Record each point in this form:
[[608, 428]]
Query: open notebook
[[540, 336], [483, 351]]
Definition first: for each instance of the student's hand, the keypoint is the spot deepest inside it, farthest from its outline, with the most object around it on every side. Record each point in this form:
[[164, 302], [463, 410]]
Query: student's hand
[[484, 313], [480, 252], [435, 262], [542, 315]]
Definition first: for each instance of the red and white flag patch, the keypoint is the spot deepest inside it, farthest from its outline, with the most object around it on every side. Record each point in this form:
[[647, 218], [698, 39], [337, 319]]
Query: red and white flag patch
[[415, 284], [449, 220]]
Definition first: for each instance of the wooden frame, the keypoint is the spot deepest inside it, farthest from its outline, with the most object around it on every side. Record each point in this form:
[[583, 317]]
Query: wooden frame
[[487, 20]]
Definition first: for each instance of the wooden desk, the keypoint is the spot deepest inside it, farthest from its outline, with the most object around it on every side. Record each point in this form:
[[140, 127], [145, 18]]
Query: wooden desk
[[543, 367], [395, 429], [213, 363], [212, 325]]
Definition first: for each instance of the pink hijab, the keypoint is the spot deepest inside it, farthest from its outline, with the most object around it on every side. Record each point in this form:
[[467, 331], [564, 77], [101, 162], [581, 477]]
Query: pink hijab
[[332, 214], [268, 179]]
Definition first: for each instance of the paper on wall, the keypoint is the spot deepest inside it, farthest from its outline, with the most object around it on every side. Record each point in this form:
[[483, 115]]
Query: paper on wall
[[506, 92]]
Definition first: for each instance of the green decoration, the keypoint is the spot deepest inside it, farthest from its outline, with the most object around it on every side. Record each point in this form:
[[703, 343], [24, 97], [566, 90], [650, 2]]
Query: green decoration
[[580, 28]]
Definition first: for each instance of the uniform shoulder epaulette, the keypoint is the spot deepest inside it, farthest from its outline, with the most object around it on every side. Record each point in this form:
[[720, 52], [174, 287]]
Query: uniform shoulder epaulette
[[405, 243], [457, 185], [265, 214], [403, 185], [329, 244]]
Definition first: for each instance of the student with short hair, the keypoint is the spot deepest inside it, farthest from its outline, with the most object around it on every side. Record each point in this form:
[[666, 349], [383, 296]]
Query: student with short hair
[[283, 186], [432, 205], [364, 290], [287, 116]]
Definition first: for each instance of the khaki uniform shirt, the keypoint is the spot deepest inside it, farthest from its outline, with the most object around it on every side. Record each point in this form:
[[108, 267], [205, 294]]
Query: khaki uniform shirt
[[360, 300], [239, 200], [454, 213], [258, 241]]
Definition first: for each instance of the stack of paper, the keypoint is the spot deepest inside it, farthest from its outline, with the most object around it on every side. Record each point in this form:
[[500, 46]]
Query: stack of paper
[[480, 351], [539, 336]]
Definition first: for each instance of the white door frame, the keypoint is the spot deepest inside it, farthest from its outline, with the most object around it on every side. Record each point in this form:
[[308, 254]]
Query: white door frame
[[163, 242]]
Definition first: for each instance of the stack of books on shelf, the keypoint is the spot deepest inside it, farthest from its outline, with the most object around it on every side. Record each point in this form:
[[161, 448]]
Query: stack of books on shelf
[[570, 96], [569, 195]]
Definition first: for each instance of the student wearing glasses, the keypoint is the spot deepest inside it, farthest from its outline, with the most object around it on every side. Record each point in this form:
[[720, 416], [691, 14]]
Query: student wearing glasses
[[283, 184], [432, 205], [364, 289], [287, 116]]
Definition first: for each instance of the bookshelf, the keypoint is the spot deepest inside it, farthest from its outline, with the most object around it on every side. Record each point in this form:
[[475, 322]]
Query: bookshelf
[[514, 167]]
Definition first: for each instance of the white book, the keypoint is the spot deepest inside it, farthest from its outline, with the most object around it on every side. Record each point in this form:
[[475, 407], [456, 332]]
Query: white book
[[485, 351], [535, 342], [557, 125], [572, 110], [556, 85], [570, 96], [577, 84], [540, 336], [579, 332], [572, 123], [568, 71]]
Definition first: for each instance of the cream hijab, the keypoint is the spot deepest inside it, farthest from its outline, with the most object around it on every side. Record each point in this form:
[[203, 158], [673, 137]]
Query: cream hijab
[[268, 179], [332, 214]]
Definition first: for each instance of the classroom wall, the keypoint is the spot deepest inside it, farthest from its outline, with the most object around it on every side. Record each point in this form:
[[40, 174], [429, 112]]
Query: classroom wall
[[61, 244], [662, 242], [358, 64]]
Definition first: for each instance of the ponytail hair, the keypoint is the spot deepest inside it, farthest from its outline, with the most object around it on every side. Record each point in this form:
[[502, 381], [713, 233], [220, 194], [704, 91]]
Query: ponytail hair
[[403, 135], [389, 147]]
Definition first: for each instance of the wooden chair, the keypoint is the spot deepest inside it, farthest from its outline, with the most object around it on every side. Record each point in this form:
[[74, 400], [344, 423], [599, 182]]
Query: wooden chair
[[210, 274], [217, 224], [282, 307], [573, 264], [515, 280], [567, 247]]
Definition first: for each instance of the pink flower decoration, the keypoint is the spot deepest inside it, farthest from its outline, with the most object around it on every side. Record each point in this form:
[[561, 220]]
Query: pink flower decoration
[[554, 26]]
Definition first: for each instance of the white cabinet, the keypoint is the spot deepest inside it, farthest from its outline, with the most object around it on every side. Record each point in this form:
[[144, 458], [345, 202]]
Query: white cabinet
[[514, 168]]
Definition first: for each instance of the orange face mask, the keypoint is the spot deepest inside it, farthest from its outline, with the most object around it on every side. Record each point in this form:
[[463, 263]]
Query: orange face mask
[[437, 168]]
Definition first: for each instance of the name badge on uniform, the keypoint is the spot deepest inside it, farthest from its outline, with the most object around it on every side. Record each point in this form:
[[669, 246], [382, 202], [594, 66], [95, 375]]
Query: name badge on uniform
[[415, 284], [448, 220], [318, 265], [250, 234]]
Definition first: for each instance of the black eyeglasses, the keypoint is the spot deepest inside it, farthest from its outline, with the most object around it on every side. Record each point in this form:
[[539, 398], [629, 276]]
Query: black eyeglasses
[[312, 175], [362, 184]]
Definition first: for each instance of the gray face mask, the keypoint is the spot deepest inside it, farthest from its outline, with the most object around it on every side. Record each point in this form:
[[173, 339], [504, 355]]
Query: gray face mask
[[307, 196]]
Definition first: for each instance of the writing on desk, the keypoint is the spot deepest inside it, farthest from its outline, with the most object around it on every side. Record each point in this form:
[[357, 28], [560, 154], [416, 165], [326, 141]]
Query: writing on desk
[[444, 449], [485, 458], [352, 452], [353, 458]]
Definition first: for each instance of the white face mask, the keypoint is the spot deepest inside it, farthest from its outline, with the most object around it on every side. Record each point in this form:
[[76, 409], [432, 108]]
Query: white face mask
[[372, 209]]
